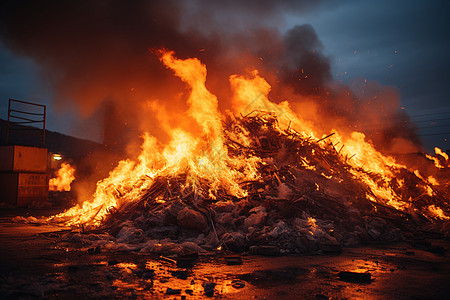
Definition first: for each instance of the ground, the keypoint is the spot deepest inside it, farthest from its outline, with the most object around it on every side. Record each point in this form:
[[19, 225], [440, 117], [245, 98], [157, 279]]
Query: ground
[[34, 263]]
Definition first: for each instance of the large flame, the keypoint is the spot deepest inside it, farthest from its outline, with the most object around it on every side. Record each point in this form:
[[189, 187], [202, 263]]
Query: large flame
[[203, 160]]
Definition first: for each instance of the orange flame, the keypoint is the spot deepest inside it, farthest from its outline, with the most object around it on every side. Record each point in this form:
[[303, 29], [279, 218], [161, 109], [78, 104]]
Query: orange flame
[[440, 162], [205, 158], [437, 212], [64, 179]]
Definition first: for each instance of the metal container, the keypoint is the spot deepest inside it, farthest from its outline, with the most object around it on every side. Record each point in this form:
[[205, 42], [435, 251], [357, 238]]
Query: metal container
[[22, 189], [23, 159]]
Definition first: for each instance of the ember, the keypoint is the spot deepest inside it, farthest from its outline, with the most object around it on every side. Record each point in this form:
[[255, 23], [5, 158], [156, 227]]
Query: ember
[[265, 179]]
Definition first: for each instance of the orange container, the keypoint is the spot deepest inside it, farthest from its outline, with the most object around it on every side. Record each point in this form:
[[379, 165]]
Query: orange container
[[23, 159], [22, 189]]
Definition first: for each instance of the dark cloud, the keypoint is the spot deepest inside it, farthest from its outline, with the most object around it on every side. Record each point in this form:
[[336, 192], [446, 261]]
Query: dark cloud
[[97, 51], [305, 61]]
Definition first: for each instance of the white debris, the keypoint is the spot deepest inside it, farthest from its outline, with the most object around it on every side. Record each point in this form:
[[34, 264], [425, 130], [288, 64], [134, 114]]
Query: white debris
[[284, 192], [257, 216]]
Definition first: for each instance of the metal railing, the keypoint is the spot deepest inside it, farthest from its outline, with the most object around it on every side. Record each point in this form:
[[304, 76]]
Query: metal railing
[[30, 113]]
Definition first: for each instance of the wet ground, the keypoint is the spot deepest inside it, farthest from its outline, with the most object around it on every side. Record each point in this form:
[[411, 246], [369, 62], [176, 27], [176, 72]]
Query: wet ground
[[35, 264]]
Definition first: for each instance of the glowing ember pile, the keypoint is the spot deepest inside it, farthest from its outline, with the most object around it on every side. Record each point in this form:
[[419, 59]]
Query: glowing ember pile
[[261, 179]]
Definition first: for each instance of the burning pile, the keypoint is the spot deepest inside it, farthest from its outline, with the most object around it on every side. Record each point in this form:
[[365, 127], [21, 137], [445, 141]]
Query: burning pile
[[263, 181]]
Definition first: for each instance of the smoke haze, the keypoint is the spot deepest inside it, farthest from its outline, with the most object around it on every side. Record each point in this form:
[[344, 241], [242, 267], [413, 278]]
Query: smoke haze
[[100, 56]]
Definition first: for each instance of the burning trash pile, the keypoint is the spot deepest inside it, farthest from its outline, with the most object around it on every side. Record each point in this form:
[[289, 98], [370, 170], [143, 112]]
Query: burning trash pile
[[262, 182]]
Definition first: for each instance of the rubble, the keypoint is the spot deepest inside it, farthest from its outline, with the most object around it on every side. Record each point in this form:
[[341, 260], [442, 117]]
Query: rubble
[[191, 219], [306, 199]]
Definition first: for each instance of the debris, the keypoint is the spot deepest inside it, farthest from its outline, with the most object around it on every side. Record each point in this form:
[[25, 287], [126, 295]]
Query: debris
[[374, 234], [168, 259], [237, 284], [305, 197], [355, 277], [235, 241], [257, 217], [189, 218]]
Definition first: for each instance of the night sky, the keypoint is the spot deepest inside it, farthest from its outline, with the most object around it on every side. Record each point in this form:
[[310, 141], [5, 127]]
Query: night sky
[[404, 44]]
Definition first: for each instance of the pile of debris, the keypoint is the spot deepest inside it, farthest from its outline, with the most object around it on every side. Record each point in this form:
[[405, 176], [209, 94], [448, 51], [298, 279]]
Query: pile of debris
[[306, 200]]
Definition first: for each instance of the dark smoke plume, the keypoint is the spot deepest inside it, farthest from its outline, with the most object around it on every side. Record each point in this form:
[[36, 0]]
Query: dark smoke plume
[[98, 54]]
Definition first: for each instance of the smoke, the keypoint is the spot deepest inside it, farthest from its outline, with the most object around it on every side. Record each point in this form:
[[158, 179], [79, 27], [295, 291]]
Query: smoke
[[99, 55]]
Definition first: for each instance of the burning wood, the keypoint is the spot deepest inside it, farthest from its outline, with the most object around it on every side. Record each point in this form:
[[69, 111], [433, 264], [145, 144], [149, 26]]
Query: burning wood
[[263, 181]]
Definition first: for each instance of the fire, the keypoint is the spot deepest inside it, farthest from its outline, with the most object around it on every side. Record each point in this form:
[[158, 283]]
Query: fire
[[65, 176], [442, 161], [438, 213], [203, 160]]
